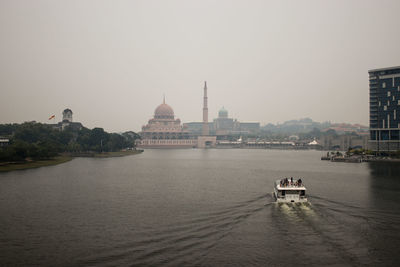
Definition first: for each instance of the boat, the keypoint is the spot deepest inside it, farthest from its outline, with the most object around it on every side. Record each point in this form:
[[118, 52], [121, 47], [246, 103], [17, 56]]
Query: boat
[[290, 190]]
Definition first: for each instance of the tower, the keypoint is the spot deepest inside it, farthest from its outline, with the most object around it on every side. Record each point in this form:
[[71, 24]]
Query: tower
[[205, 111], [67, 115]]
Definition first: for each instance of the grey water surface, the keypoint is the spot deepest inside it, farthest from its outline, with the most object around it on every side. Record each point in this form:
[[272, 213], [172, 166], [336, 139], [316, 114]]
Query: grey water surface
[[200, 208]]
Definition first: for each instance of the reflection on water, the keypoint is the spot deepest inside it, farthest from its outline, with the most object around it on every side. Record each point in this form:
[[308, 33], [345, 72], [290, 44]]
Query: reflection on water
[[200, 208]]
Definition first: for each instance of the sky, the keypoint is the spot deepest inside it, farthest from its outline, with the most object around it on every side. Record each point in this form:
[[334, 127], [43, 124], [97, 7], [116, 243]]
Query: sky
[[111, 62]]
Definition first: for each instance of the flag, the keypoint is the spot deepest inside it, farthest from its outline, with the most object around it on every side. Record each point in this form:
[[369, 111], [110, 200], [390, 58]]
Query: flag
[[52, 117]]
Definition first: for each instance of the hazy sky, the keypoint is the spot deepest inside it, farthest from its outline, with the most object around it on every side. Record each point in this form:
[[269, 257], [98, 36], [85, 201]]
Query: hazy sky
[[267, 61]]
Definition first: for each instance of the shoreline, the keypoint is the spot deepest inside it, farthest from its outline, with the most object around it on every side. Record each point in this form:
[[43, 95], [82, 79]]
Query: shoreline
[[34, 164], [64, 157], [121, 153]]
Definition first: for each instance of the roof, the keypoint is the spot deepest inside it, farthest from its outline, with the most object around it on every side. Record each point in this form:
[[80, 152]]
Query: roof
[[383, 69], [289, 187], [313, 143], [164, 110]]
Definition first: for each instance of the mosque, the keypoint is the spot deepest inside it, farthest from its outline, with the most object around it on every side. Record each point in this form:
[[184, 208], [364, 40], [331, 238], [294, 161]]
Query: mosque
[[164, 131]]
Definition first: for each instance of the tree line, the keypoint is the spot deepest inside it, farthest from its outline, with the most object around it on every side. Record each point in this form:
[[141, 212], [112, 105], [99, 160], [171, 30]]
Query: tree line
[[42, 141]]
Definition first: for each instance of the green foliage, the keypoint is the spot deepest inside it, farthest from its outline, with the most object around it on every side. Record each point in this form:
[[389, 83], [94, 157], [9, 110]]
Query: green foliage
[[7, 129], [41, 141]]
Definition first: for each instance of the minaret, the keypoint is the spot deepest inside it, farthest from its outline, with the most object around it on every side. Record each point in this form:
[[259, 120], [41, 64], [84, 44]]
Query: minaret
[[205, 112]]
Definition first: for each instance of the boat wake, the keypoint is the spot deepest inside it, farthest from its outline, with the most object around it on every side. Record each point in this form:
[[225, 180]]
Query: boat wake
[[184, 242]]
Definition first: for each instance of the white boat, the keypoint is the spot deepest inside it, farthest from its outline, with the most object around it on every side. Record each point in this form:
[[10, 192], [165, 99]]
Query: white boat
[[290, 190]]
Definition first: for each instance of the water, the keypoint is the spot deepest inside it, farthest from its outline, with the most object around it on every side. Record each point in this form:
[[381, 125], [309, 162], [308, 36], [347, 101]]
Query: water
[[200, 208]]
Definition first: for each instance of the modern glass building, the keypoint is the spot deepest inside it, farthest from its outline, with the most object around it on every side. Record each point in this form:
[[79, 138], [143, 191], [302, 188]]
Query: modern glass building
[[384, 109]]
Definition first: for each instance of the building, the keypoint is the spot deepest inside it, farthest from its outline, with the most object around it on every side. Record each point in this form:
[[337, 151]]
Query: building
[[206, 140], [67, 115], [384, 124], [223, 124], [67, 122], [164, 131], [224, 127], [4, 142], [249, 127], [343, 142], [196, 128]]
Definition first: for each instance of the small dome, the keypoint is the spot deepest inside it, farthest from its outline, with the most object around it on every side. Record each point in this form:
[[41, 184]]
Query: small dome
[[164, 111], [223, 113], [67, 110]]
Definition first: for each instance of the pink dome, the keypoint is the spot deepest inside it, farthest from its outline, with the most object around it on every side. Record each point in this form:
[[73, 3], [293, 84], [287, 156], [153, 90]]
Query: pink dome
[[164, 111]]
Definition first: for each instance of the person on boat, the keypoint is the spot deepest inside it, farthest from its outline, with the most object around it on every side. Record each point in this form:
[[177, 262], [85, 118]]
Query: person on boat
[[299, 181], [291, 180]]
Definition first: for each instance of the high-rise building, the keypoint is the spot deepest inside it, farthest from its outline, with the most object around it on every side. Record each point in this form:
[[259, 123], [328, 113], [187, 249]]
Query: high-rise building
[[384, 109]]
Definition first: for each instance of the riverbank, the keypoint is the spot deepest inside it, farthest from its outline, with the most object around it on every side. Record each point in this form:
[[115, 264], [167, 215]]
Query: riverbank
[[65, 157], [359, 159], [34, 164], [121, 153]]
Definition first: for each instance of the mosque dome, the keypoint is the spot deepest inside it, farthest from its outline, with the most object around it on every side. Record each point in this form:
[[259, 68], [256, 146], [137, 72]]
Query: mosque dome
[[164, 111], [222, 113]]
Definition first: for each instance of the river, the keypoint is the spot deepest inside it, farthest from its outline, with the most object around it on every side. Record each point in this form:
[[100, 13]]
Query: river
[[193, 207]]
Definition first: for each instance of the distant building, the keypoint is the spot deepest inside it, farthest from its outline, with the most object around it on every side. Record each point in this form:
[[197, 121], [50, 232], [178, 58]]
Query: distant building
[[384, 92], [345, 128], [223, 126], [249, 127], [4, 141], [343, 142], [164, 131], [196, 128], [67, 115], [67, 121]]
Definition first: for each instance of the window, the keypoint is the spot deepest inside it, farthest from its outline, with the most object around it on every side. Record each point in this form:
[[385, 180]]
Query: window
[[384, 107], [398, 102], [379, 103], [388, 93], [388, 103], [383, 85], [394, 114], [393, 98]]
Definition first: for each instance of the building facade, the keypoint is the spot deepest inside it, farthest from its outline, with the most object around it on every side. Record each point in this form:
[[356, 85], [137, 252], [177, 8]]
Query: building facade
[[384, 109], [225, 126], [344, 142]]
